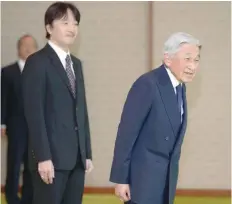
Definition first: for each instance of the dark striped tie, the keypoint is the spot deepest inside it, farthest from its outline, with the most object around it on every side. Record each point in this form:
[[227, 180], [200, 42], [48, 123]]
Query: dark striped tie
[[70, 75]]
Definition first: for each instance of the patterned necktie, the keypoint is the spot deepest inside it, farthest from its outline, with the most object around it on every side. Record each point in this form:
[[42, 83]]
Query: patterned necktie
[[70, 75], [179, 94]]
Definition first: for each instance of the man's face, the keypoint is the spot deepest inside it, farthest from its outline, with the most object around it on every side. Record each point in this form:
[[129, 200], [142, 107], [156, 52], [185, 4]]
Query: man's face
[[64, 31], [184, 63], [27, 47]]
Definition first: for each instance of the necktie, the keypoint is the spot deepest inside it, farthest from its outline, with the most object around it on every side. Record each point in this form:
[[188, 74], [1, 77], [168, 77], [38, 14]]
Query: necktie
[[179, 94], [70, 75]]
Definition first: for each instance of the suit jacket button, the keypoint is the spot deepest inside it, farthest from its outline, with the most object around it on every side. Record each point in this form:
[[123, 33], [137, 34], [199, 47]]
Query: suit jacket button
[[76, 128], [167, 138]]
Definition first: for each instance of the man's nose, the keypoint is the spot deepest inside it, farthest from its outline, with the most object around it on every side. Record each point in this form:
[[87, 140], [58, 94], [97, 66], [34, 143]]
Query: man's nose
[[71, 28], [191, 66]]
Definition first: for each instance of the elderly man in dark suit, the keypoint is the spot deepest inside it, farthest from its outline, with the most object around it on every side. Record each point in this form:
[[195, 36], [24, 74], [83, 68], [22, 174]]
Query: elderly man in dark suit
[[153, 125]]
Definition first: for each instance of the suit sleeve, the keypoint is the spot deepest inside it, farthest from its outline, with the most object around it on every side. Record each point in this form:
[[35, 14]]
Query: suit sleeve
[[134, 112], [4, 96], [34, 95], [87, 129]]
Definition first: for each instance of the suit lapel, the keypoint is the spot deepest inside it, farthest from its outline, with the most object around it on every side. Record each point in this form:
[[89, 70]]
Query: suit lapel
[[78, 75], [58, 66], [169, 99], [17, 77], [17, 70]]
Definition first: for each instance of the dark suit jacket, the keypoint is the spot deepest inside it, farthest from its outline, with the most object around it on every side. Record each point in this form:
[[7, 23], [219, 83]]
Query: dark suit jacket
[[58, 123], [149, 139], [12, 114]]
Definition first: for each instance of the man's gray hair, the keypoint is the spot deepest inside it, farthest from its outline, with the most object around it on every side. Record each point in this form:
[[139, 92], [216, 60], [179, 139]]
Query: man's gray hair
[[174, 42]]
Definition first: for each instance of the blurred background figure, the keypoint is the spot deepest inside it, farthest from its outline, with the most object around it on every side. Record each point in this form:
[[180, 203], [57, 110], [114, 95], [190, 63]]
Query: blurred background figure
[[13, 124]]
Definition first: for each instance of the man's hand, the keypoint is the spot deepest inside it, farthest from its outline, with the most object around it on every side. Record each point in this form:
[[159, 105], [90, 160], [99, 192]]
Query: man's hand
[[123, 192], [46, 171], [89, 166], [3, 131]]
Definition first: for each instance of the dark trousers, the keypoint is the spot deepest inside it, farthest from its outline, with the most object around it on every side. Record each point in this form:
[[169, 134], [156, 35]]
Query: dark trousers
[[67, 187], [165, 195], [17, 154]]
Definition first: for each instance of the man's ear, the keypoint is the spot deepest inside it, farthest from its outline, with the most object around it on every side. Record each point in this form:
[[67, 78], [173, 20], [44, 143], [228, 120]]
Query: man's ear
[[49, 28], [167, 59]]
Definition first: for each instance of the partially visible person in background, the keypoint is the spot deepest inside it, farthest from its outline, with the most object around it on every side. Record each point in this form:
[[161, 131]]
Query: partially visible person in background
[[13, 124], [152, 127]]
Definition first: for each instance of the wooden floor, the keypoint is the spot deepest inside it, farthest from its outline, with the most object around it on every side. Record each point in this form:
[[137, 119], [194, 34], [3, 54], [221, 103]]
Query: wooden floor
[[110, 199]]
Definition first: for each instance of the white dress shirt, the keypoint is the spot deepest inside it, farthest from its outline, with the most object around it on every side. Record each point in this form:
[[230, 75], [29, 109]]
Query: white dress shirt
[[21, 64], [61, 54], [175, 83]]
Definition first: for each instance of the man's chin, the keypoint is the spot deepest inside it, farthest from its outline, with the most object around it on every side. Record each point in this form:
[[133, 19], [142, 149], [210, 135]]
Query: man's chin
[[187, 79], [70, 41]]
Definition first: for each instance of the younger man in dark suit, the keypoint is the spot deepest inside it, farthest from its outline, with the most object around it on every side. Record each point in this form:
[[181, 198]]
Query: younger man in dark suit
[[56, 112]]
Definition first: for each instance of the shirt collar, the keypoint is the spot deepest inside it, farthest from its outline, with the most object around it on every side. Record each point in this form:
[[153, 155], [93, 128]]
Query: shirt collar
[[21, 64], [173, 79], [61, 53]]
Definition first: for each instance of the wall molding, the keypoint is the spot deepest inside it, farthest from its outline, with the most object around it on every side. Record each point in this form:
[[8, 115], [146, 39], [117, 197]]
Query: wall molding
[[180, 192]]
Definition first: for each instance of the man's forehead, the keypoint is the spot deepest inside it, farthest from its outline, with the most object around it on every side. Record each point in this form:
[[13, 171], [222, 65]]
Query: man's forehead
[[187, 46], [192, 54], [189, 49], [26, 39], [69, 14]]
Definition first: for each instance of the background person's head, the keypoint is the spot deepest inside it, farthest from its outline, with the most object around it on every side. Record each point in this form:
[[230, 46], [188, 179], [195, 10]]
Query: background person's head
[[26, 46]]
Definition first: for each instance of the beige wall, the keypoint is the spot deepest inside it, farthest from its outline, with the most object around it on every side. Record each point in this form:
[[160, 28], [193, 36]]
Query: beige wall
[[113, 45]]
